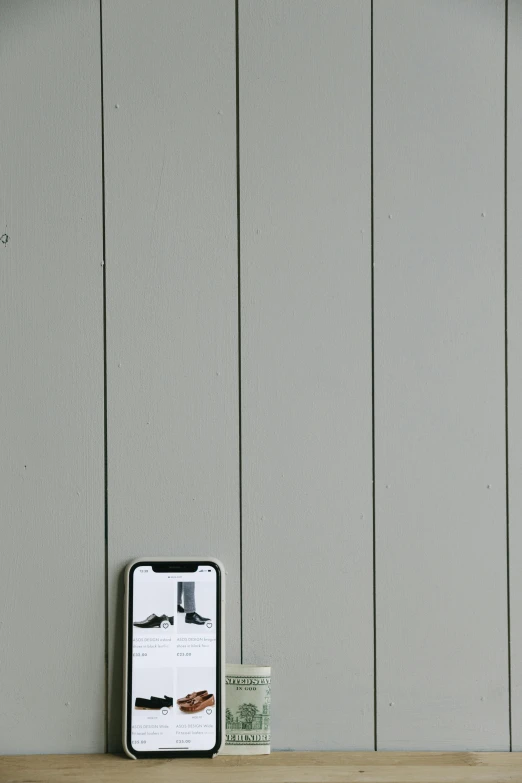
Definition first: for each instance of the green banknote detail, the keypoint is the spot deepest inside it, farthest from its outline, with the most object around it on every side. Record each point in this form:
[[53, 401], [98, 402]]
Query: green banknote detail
[[247, 716]]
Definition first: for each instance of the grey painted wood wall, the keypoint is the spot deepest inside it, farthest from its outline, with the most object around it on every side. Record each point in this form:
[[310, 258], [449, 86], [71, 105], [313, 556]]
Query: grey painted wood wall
[[260, 291]]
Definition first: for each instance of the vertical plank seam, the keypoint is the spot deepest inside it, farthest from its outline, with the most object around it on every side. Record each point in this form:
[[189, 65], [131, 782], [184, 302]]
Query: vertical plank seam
[[106, 516], [506, 23], [240, 433], [372, 260]]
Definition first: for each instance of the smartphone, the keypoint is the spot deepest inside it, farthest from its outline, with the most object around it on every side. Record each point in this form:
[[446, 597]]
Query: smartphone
[[173, 694]]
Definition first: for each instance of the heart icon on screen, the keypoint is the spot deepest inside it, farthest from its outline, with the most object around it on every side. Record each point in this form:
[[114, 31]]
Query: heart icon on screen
[[208, 712], [165, 712], [209, 625]]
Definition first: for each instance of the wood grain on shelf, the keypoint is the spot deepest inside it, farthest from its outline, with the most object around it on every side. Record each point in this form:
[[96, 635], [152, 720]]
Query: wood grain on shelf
[[276, 768]]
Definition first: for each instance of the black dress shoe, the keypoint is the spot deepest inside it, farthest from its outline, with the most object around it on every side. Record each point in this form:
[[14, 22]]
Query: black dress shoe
[[194, 617], [153, 621], [180, 608]]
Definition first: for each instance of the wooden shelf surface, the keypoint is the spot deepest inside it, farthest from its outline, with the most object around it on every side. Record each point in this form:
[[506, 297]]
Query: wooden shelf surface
[[289, 767]]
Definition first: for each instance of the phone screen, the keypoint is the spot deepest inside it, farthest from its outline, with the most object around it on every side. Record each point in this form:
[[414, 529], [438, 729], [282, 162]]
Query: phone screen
[[173, 692]]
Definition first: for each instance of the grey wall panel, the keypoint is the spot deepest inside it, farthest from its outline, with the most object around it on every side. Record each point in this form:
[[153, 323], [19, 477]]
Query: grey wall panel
[[51, 354], [172, 361], [514, 304], [306, 365], [442, 671]]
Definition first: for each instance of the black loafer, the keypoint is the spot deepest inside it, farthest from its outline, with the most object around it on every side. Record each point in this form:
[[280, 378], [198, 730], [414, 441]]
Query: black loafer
[[154, 703], [145, 704], [166, 701]]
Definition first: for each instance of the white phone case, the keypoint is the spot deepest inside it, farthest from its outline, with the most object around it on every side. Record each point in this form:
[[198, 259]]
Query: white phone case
[[126, 611]]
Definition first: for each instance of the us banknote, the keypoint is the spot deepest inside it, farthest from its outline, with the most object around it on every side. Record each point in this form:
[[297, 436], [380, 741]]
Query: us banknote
[[247, 723]]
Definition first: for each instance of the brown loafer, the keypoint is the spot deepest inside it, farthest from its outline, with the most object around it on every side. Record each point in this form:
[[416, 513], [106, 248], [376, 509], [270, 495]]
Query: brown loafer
[[191, 696], [198, 704]]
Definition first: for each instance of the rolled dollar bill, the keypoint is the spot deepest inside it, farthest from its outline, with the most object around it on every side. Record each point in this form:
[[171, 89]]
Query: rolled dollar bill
[[247, 698]]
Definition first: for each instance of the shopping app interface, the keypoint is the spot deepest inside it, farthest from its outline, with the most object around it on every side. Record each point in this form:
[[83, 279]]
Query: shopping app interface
[[174, 656]]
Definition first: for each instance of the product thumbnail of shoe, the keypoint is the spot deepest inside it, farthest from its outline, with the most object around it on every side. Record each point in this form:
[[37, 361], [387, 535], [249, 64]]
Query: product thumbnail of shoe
[[194, 617], [191, 696], [154, 703], [199, 703], [166, 701], [153, 621]]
